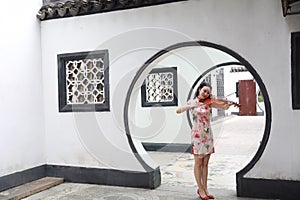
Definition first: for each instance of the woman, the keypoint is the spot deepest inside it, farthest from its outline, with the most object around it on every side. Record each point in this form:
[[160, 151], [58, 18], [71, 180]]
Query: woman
[[202, 137]]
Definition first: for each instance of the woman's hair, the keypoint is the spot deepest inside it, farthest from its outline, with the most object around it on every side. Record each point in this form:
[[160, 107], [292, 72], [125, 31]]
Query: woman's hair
[[202, 84]]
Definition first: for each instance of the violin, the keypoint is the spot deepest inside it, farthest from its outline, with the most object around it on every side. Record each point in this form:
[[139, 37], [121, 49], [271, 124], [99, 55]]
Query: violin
[[220, 101]]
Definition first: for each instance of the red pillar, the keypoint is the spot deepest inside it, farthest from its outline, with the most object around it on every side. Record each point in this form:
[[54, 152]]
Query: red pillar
[[247, 97]]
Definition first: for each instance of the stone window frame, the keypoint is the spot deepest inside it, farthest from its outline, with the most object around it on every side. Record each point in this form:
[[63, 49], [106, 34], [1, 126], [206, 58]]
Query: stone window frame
[[173, 70], [62, 90]]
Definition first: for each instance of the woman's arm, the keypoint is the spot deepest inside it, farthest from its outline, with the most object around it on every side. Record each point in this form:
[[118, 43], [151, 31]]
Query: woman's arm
[[183, 109], [189, 105]]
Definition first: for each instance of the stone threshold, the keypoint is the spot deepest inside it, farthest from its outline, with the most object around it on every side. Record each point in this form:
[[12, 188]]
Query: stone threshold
[[30, 188]]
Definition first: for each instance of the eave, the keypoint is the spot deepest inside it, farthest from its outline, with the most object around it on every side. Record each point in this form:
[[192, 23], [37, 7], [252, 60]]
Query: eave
[[61, 9]]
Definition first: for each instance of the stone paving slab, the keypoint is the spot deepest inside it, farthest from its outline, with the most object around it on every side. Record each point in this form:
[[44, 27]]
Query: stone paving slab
[[75, 191], [30, 188]]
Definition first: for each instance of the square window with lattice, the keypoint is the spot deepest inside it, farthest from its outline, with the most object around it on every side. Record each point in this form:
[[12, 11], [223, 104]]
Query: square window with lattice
[[160, 87], [83, 81]]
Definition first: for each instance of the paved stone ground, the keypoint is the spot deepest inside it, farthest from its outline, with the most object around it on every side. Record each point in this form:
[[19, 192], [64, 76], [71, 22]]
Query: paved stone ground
[[237, 139], [73, 191]]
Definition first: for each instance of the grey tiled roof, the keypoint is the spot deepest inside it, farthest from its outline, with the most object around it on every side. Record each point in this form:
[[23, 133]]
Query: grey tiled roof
[[63, 8]]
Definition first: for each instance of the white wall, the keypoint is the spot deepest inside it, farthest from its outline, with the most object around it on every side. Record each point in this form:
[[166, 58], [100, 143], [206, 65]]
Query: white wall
[[255, 29], [21, 104]]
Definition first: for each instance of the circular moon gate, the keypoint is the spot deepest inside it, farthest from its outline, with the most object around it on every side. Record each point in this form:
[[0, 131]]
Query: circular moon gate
[[243, 62]]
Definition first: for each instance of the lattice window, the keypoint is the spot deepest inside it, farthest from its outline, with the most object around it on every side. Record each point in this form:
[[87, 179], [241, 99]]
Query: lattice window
[[160, 87], [83, 81]]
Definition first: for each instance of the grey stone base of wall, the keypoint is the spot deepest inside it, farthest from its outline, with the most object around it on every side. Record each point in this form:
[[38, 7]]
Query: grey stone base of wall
[[149, 180], [167, 147], [268, 189]]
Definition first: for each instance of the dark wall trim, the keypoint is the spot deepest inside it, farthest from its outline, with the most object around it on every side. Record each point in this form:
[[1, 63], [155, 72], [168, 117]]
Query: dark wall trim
[[266, 188], [54, 9], [167, 147], [295, 68], [150, 180], [19, 178]]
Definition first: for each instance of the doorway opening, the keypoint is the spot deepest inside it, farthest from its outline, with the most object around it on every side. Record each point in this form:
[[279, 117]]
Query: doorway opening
[[240, 136]]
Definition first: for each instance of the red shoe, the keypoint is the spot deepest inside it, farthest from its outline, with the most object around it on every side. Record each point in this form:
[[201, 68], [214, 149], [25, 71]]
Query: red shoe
[[210, 196], [202, 198]]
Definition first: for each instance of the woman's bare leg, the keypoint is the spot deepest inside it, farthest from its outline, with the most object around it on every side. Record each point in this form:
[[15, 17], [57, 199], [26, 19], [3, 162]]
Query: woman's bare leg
[[198, 173], [205, 173]]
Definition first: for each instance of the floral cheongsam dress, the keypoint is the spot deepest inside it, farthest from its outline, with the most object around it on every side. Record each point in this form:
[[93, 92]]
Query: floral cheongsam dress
[[202, 136]]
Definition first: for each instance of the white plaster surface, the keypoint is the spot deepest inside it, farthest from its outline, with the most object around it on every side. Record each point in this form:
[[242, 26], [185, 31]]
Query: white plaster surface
[[21, 103]]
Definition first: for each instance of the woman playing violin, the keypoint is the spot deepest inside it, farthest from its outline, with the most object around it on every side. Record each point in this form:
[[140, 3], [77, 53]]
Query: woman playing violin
[[201, 134]]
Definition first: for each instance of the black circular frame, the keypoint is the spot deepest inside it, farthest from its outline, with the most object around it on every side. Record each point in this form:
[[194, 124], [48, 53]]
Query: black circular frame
[[242, 61]]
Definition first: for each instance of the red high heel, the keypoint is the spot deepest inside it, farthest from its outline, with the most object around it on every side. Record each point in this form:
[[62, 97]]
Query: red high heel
[[202, 198], [210, 196]]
